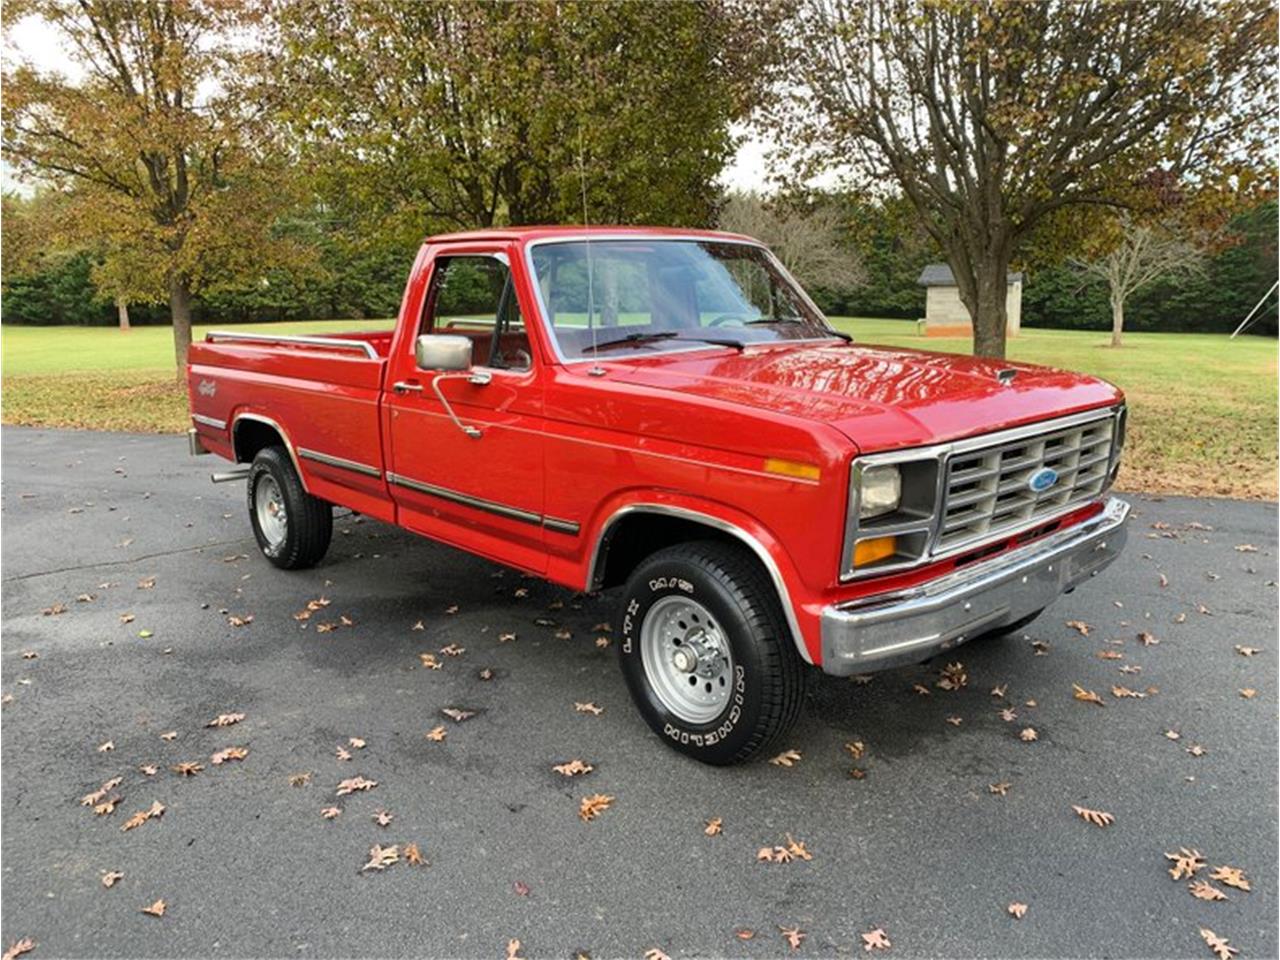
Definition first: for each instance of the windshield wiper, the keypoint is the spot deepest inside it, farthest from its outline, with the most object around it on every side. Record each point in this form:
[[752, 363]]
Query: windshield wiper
[[839, 334], [640, 337]]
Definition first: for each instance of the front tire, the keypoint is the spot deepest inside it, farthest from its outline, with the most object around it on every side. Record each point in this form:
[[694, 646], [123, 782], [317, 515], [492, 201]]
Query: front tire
[[707, 654], [292, 527]]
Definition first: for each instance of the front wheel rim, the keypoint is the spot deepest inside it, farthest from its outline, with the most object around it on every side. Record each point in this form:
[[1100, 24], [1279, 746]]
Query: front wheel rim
[[687, 659], [268, 505]]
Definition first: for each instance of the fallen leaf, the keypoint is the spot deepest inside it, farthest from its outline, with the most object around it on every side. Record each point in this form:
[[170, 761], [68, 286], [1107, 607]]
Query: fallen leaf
[[1018, 910], [171, 735], [453, 650], [1248, 693], [1185, 863], [797, 849], [715, 827], [793, 935], [1196, 750], [506, 637], [590, 708], [356, 743], [233, 753], [149, 769], [875, 940], [1173, 735], [299, 779], [451, 610], [30, 655], [142, 816], [457, 715], [999, 789], [1110, 655], [521, 888], [18, 948], [1219, 945], [573, 768], [331, 813], [1086, 696], [111, 877], [594, 805], [1000, 690], [773, 855], [744, 933], [413, 856], [857, 773], [147, 583], [653, 953], [1008, 715], [419, 626], [106, 747], [107, 806], [788, 758], [352, 784], [1119, 691], [126, 618], [240, 621], [921, 689], [513, 949], [54, 610], [187, 768], [1246, 548], [955, 721], [437, 734], [1231, 876], [1099, 818], [485, 674], [96, 797], [1080, 627], [225, 719], [430, 662], [342, 753], [382, 818], [856, 748], [602, 642], [1028, 734], [1204, 890], [952, 677], [381, 857], [1247, 651]]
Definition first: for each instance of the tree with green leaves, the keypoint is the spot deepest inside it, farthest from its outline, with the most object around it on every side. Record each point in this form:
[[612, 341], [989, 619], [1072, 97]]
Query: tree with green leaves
[[993, 116], [416, 117], [161, 133]]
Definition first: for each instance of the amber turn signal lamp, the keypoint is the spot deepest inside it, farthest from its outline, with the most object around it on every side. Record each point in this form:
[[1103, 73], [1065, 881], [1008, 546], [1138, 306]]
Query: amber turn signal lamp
[[876, 548], [791, 468]]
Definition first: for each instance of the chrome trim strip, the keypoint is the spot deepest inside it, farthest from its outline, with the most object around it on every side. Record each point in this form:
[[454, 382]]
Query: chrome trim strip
[[779, 585], [941, 452], [444, 493], [561, 526], [235, 423], [710, 236], [209, 421], [331, 461], [333, 343]]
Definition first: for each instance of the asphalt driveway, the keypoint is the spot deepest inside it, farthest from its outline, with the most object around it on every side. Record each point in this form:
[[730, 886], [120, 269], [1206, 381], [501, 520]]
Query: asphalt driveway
[[129, 582]]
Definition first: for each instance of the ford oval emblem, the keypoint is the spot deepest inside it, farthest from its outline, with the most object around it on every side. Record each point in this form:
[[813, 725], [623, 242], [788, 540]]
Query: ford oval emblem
[[1042, 479]]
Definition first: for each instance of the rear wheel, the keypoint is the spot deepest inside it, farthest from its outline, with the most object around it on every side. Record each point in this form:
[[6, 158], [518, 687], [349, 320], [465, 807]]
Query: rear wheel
[[292, 527], [707, 654]]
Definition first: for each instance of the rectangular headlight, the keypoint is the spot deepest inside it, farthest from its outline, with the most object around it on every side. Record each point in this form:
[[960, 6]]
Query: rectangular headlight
[[880, 491]]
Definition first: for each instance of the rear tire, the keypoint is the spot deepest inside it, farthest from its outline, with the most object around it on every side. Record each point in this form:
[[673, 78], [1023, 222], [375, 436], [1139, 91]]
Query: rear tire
[[707, 653], [292, 527]]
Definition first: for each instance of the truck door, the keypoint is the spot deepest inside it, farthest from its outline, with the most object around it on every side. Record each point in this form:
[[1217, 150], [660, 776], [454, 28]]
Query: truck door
[[466, 447]]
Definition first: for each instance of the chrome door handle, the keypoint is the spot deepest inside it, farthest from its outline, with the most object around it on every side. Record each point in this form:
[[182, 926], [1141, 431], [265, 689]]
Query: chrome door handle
[[406, 386]]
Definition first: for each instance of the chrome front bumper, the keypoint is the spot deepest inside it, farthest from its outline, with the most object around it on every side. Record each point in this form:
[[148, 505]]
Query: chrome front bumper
[[889, 630]]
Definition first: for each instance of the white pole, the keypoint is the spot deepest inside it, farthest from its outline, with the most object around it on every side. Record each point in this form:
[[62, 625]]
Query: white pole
[[1264, 299]]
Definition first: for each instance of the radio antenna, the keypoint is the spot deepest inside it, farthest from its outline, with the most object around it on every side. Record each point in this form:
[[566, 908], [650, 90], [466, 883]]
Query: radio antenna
[[597, 370]]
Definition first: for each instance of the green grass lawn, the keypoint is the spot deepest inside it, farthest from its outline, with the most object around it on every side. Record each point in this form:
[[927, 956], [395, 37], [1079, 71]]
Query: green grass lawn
[[1202, 407]]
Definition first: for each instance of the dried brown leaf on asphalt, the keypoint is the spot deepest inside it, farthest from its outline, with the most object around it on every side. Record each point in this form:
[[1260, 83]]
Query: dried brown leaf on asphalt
[[437, 734], [230, 753], [744, 933], [111, 877], [107, 806], [225, 719], [352, 784], [430, 662], [413, 856], [331, 813], [797, 849], [573, 768], [142, 816], [653, 953], [921, 689], [787, 758], [856, 748], [1247, 651], [590, 708], [155, 909], [594, 805], [453, 650], [1086, 696], [243, 621], [506, 637], [513, 949], [1196, 750], [457, 715], [381, 857], [1248, 693], [1099, 818], [1110, 655], [149, 769], [999, 789], [952, 677], [18, 948], [170, 735], [773, 855], [1246, 548], [96, 797], [342, 753], [1080, 627], [793, 935], [1204, 890], [147, 583], [1219, 945], [1008, 715], [1121, 691], [126, 618], [53, 610], [1185, 863], [356, 743], [1000, 690], [1231, 876], [382, 818], [714, 827], [299, 779], [1148, 639], [30, 655], [955, 721], [875, 939], [1028, 735], [106, 747], [1017, 910], [187, 768]]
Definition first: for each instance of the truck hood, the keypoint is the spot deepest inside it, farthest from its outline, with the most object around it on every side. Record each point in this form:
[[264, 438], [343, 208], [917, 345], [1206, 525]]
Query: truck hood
[[880, 398]]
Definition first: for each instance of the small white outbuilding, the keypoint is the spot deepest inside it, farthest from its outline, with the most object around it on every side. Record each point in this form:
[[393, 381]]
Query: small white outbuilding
[[945, 314]]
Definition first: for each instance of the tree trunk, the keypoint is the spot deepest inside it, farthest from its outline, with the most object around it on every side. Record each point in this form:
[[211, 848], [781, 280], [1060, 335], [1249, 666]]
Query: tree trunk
[[180, 309], [122, 311], [1117, 321], [984, 290]]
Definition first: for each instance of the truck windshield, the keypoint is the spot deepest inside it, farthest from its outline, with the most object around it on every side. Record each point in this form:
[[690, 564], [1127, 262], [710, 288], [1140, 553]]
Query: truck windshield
[[648, 296]]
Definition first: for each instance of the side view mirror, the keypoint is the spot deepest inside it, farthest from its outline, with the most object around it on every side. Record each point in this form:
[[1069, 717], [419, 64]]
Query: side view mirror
[[440, 351]]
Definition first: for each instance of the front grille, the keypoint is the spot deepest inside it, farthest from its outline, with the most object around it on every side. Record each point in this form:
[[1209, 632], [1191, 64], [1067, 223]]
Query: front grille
[[987, 491]]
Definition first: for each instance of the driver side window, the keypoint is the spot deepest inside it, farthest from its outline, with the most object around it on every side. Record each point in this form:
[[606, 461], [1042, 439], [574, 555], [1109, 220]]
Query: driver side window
[[473, 296]]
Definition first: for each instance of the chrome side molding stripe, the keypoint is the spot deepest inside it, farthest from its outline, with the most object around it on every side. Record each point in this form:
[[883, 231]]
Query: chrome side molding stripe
[[489, 506], [209, 421], [331, 461]]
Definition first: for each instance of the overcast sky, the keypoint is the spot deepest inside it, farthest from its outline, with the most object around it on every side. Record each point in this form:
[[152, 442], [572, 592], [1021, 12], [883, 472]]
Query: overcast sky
[[31, 39]]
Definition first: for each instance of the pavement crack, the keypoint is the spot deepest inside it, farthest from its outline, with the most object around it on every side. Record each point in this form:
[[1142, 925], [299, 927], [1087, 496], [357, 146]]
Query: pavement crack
[[127, 560]]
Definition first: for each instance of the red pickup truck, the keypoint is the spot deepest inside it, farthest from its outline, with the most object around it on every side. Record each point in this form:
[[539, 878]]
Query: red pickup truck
[[667, 413]]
